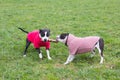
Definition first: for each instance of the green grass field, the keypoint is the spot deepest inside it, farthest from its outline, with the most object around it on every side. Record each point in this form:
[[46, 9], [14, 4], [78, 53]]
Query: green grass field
[[79, 17]]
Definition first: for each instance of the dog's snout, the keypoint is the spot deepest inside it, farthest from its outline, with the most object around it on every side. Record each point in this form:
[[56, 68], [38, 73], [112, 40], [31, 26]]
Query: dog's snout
[[57, 37], [45, 40]]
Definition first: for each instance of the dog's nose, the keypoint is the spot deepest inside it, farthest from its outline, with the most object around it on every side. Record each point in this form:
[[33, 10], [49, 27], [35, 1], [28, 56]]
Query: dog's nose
[[45, 40]]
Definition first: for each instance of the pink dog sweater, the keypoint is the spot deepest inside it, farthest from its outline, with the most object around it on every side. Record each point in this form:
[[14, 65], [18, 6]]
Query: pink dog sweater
[[34, 38], [81, 45]]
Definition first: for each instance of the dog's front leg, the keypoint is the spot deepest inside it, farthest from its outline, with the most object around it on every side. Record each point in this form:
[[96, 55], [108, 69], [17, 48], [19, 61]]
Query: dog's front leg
[[48, 54], [69, 59], [39, 52]]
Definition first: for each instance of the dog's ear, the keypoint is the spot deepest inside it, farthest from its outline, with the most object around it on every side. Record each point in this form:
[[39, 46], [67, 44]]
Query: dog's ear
[[63, 35], [40, 30], [67, 34], [49, 30]]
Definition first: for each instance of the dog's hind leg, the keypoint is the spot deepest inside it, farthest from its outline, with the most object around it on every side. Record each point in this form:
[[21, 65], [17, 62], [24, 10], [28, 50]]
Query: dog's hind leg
[[69, 59], [100, 47], [27, 45], [101, 44], [92, 53]]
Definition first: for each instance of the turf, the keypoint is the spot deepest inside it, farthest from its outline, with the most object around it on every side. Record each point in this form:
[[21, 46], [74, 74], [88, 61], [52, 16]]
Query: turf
[[79, 17]]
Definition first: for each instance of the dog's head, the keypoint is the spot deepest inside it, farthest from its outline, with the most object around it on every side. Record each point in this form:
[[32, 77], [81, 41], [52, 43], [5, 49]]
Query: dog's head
[[44, 34], [62, 37]]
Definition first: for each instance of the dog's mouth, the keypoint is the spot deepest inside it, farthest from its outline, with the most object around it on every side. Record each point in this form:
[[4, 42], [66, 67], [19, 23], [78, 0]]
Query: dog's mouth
[[45, 40], [57, 38]]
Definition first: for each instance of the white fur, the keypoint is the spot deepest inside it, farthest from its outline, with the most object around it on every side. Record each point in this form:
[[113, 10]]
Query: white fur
[[69, 59], [24, 55], [101, 61], [92, 54], [40, 55], [45, 37], [61, 40], [48, 54], [98, 47]]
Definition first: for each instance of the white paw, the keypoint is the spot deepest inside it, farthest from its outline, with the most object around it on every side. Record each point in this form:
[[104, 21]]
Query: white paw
[[101, 62], [40, 56], [92, 55], [49, 58], [65, 63], [24, 55]]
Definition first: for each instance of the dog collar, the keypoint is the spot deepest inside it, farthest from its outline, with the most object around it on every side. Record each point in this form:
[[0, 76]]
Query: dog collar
[[66, 41]]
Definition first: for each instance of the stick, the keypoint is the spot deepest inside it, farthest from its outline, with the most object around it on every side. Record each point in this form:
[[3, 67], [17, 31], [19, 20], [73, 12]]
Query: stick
[[52, 40]]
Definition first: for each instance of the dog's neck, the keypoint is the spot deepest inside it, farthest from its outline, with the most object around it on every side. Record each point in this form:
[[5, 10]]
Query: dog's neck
[[66, 41]]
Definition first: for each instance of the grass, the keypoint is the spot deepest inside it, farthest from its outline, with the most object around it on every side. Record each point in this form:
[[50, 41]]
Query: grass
[[79, 17]]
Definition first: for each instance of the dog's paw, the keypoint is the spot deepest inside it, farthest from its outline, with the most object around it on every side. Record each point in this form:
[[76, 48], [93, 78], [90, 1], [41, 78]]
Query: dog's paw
[[49, 58], [101, 62], [92, 55], [40, 56], [65, 63], [24, 55]]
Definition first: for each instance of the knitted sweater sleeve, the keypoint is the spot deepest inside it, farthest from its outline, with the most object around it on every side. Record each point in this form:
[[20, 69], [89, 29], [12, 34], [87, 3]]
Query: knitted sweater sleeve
[[47, 45]]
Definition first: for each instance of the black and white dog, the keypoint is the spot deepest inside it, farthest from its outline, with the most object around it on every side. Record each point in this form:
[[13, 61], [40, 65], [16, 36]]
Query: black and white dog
[[39, 38], [81, 45]]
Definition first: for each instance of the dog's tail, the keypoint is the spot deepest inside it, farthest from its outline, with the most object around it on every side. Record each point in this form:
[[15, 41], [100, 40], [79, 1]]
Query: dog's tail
[[23, 30]]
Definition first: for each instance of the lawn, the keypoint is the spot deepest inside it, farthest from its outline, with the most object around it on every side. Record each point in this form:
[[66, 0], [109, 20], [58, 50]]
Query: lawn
[[78, 17]]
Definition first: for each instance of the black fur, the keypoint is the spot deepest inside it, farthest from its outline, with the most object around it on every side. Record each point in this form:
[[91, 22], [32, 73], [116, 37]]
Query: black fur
[[63, 35], [27, 45], [42, 32], [101, 44], [23, 30]]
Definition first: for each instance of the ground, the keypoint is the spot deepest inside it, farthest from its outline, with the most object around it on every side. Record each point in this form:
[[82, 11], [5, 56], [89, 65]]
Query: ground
[[79, 17]]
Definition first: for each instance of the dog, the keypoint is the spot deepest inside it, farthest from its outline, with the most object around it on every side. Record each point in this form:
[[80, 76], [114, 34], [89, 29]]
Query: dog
[[39, 38], [81, 45]]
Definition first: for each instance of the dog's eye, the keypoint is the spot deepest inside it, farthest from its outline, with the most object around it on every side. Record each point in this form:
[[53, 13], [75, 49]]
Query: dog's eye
[[42, 35], [48, 34], [62, 36]]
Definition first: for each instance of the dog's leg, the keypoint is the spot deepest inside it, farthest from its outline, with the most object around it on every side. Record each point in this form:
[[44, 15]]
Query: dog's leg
[[48, 54], [101, 44], [27, 45], [69, 59], [39, 52], [92, 53], [100, 47]]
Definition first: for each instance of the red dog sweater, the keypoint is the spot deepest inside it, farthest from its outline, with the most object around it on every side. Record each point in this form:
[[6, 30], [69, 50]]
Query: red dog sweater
[[34, 38]]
